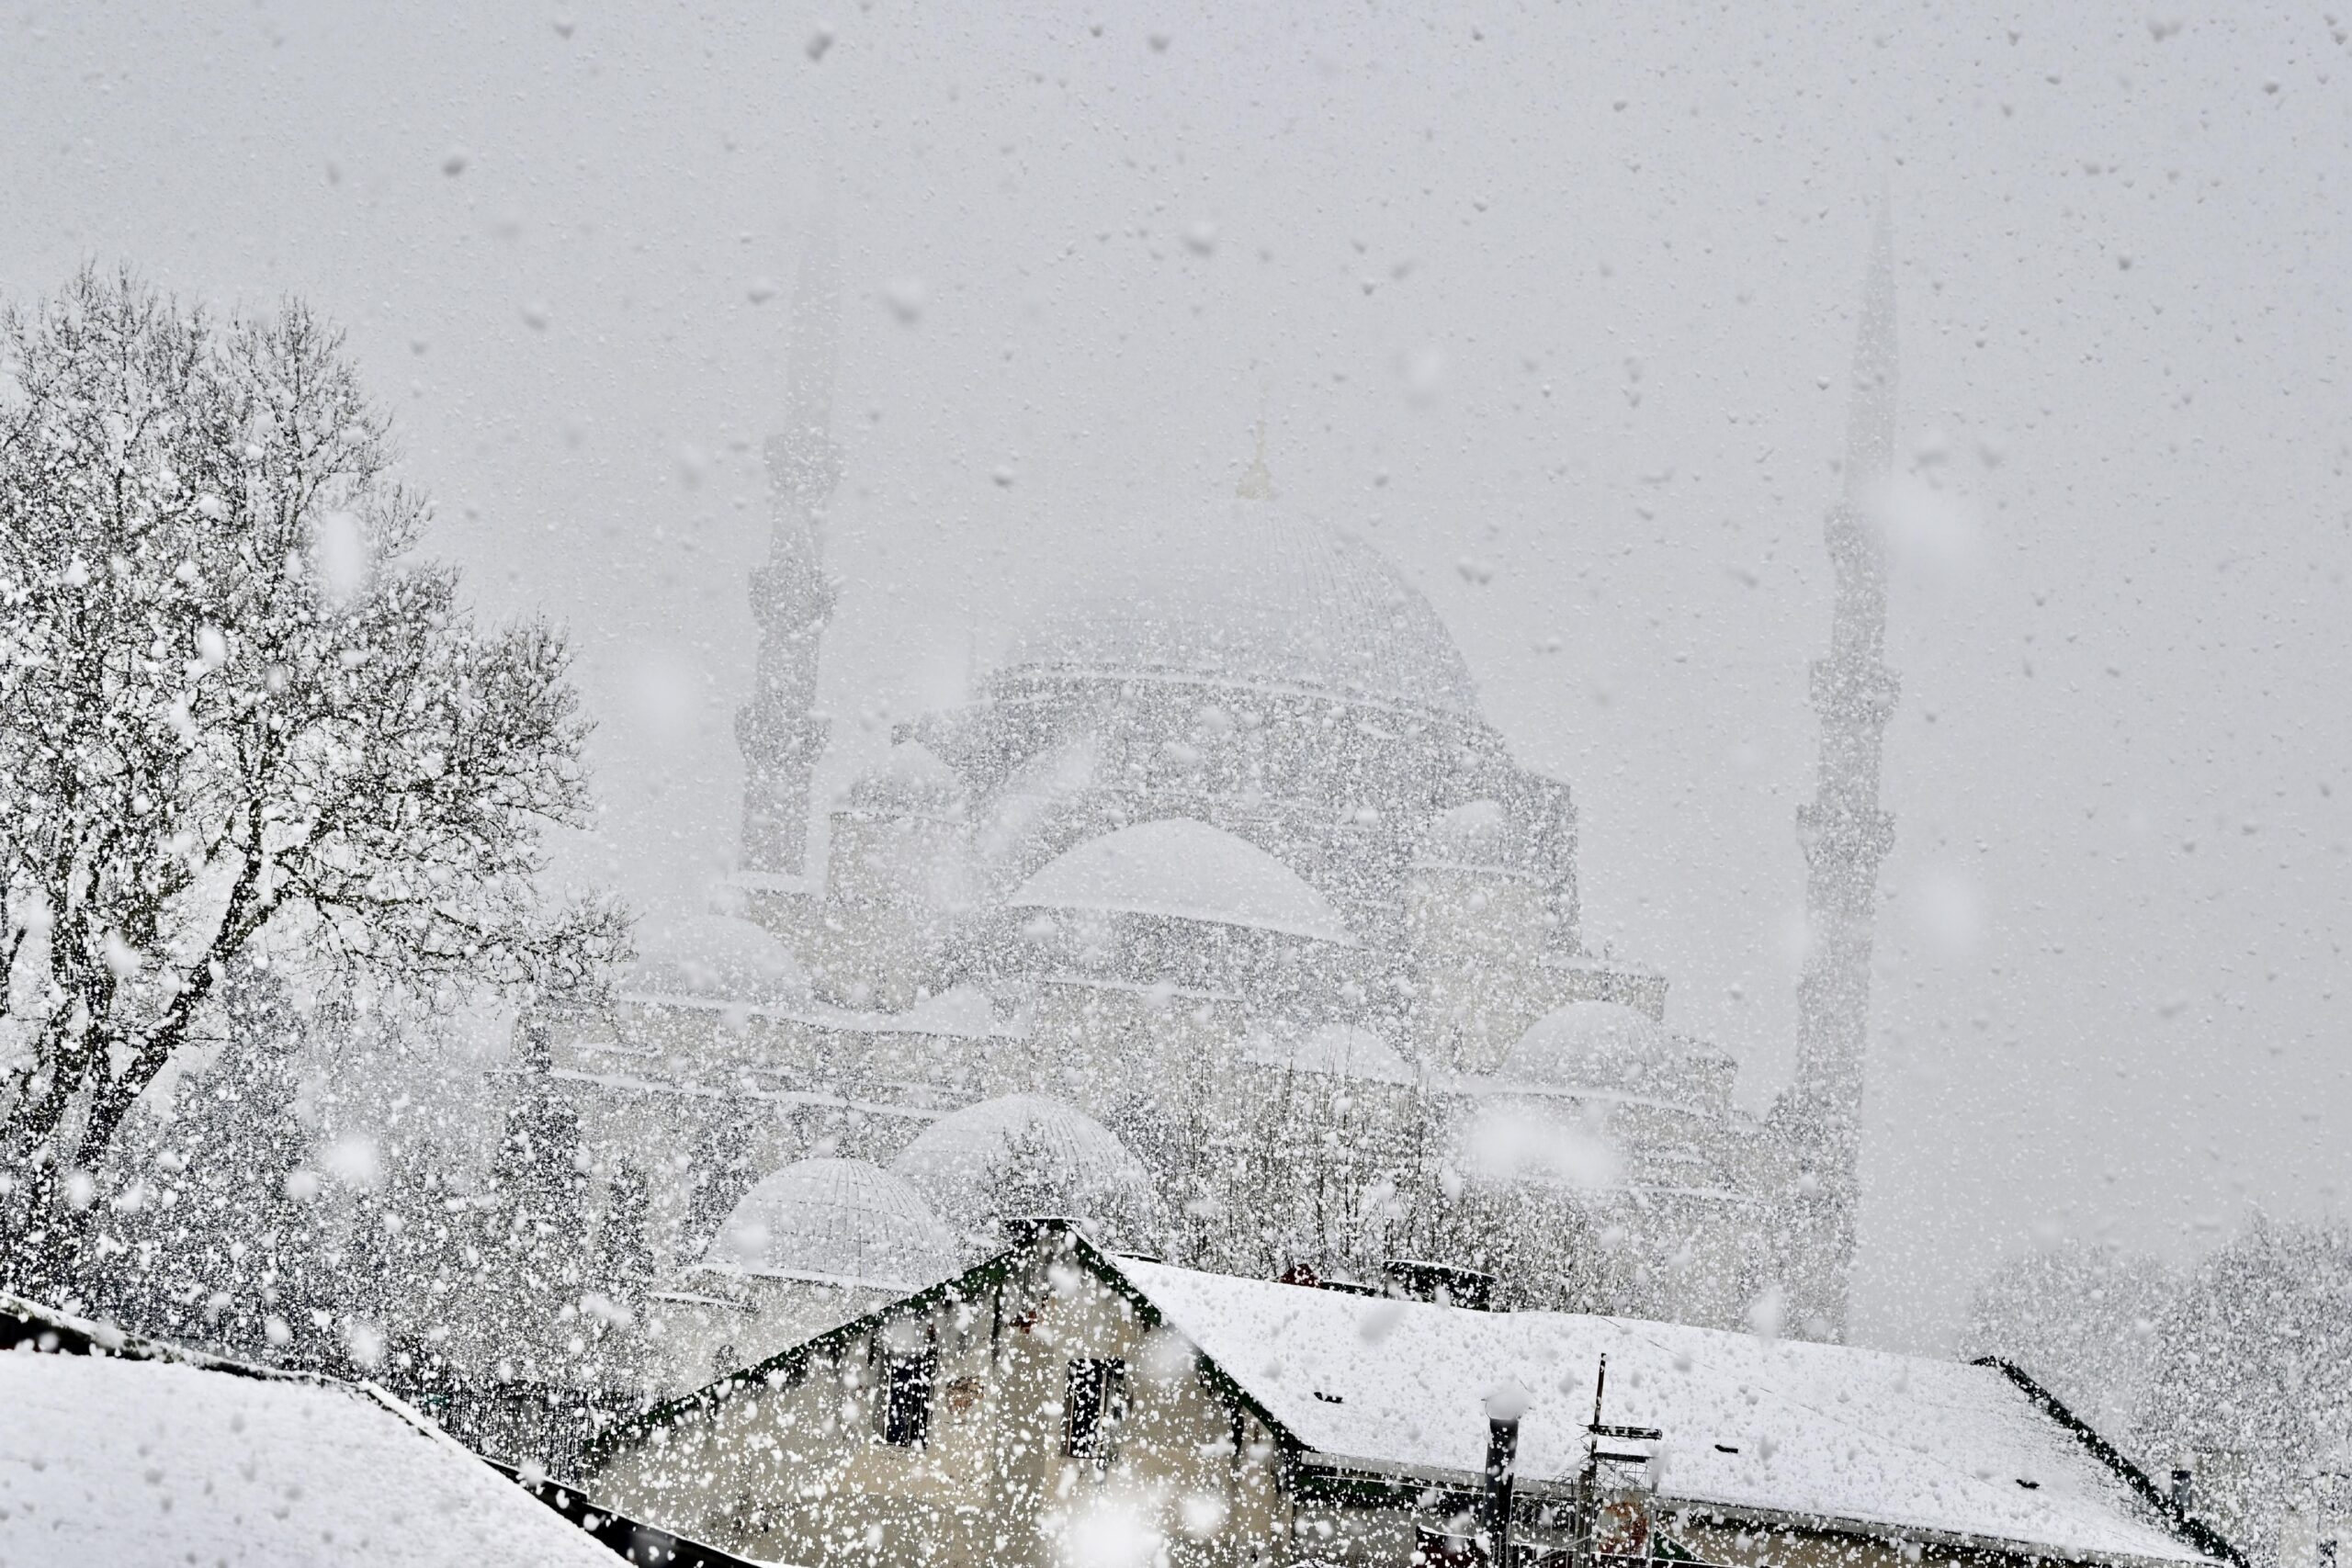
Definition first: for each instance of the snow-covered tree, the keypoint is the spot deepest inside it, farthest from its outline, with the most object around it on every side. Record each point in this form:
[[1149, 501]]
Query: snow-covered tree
[[232, 703], [211, 1231], [2082, 1319], [2252, 1385]]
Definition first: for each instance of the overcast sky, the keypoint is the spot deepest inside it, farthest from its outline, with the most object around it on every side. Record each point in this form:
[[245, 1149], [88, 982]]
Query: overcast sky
[[1556, 308]]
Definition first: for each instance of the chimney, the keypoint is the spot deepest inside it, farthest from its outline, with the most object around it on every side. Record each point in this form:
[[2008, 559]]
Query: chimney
[[1505, 1408], [2184, 1490]]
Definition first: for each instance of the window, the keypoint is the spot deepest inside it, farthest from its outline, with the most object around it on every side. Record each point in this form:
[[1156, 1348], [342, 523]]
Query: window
[[1098, 1403], [902, 1413]]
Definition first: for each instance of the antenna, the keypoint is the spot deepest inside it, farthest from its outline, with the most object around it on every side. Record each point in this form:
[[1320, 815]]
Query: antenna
[[1631, 1523]]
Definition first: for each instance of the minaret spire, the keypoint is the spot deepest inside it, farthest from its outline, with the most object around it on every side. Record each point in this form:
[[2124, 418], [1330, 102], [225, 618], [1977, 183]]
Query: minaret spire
[[778, 730], [1844, 835]]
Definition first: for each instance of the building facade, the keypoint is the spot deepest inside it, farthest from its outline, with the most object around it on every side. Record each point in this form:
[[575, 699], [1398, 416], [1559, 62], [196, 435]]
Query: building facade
[[1057, 1404], [1223, 861]]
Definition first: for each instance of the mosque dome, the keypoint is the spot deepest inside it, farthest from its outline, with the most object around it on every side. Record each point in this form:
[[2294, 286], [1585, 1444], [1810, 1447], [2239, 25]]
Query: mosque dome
[[1027, 1153], [1184, 869], [721, 958], [1592, 1045], [909, 780], [837, 1221], [1337, 1050], [1250, 595]]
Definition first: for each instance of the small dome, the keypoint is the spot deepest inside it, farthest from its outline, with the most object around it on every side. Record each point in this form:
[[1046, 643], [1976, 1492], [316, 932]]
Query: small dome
[[1592, 1045], [837, 1221], [1340, 1050], [909, 780], [716, 958], [1027, 1154], [1477, 834], [1187, 870]]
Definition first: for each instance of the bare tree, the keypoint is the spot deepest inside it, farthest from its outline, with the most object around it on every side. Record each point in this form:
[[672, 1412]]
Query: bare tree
[[230, 706]]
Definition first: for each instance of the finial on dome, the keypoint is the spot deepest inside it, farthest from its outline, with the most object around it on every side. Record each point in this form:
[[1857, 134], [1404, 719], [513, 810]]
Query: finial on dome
[[1257, 483]]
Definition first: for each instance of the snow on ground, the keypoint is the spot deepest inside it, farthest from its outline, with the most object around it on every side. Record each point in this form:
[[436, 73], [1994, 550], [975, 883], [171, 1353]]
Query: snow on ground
[[131, 1463], [1816, 1431]]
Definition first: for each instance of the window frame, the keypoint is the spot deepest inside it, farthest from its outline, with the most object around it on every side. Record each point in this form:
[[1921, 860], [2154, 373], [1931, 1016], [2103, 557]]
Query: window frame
[[904, 1387], [1102, 1383]]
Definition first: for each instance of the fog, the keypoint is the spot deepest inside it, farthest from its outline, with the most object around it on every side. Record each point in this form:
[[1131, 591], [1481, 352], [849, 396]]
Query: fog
[[1555, 307]]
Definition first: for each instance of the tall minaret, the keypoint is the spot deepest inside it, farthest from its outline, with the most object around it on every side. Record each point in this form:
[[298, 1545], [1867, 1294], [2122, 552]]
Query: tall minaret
[[1844, 835], [780, 734]]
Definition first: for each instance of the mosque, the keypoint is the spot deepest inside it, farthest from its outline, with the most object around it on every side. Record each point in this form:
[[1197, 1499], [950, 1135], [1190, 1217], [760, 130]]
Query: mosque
[[1220, 918]]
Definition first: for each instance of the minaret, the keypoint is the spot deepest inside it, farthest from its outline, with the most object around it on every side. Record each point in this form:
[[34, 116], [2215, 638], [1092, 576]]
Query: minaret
[[778, 730], [1844, 835]]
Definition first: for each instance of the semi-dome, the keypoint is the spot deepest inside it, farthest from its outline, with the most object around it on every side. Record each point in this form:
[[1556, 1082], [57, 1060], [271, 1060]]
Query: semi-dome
[[835, 1222], [1337, 1050], [1592, 1045], [1027, 1153], [909, 780], [1249, 594], [1475, 835], [1187, 870], [722, 958]]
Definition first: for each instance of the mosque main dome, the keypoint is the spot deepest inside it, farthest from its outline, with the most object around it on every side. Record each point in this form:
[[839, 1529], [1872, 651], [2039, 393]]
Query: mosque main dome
[[1254, 596]]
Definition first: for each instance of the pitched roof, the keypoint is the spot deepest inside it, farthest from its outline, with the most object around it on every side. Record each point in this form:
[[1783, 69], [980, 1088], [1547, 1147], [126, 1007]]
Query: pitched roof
[[120, 1450], [1820, 1437], [1824, 1434]]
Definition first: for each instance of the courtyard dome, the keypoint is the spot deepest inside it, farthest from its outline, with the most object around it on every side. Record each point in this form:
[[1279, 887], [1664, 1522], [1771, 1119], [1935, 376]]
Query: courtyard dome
[[1338, 1050], [1186, 870], [716, 958], [1251, 595], [1591, 1044], [836, 1221], [909, 780], [1027, 1153]]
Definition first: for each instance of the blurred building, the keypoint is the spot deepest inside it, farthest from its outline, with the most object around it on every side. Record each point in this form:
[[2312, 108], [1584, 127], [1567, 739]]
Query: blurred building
[[1223, 862]]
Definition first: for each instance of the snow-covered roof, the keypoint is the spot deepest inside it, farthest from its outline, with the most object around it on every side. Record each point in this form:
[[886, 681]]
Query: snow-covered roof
[[969, 1161], [1188, 869], [1340, 1050], [909, 780], [1253, 595], [1755, 1427], [133, 1462], [837, 1221], [961, 1012], [715, 957]]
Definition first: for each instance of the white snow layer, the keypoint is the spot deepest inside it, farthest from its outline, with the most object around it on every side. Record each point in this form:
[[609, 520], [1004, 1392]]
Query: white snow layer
[[130, 1463], [835, 1221], [1187, 870], [1817, 1432]]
